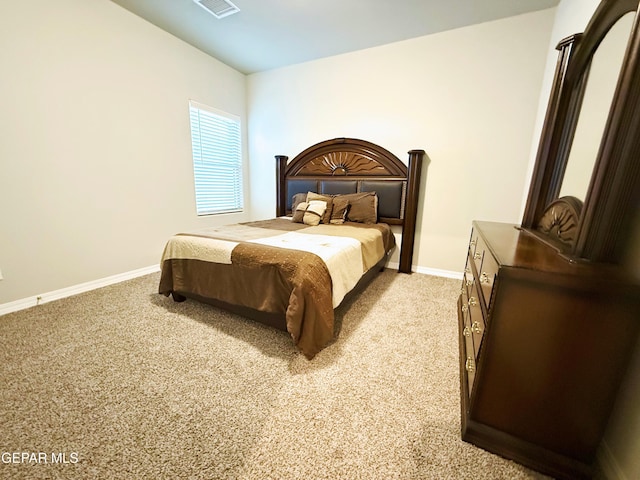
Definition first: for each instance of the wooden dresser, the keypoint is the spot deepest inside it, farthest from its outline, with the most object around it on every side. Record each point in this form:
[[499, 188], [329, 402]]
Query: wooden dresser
[[544, 343]]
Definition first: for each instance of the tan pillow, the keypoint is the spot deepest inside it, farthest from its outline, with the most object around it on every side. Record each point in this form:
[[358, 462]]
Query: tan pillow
[[326, 218], [313, 213]]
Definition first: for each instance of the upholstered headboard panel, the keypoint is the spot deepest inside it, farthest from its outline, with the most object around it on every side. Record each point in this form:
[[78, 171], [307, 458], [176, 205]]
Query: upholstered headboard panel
[[348, 165], [391, 194]]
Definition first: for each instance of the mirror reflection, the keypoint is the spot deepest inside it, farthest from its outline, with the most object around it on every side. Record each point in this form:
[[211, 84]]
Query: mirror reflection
[[601, 85]]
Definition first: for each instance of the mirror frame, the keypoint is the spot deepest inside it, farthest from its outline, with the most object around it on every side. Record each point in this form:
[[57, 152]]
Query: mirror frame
[[613, 199]]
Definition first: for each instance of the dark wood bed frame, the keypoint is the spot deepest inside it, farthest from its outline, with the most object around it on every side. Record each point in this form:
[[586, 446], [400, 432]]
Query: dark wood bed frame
[[346, 165], [349, 165]]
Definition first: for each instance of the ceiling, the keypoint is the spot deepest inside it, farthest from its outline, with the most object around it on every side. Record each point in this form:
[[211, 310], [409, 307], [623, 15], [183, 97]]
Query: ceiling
[[268, 34]]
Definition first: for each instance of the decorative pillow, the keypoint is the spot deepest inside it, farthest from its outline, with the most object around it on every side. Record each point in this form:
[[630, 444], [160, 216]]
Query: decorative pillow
[[298, 213], [311, 196], [297, 199], [363, 207], [339, 211], [314, 212], [309, 213]]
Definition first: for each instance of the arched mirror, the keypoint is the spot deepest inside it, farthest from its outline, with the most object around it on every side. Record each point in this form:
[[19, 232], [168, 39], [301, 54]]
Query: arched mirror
[[602, 78], [585, 187]]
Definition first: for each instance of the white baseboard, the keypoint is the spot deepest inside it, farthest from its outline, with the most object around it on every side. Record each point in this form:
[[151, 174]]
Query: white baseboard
[[608, 464], [436, 272], [74, 290], [439, 273]]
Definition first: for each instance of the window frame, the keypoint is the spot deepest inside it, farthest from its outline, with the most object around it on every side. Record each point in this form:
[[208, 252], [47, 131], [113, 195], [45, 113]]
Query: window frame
[[212, 195]]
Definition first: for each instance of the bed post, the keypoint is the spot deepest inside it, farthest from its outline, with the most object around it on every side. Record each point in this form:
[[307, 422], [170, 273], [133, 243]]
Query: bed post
[[410, 210], [281, 187]]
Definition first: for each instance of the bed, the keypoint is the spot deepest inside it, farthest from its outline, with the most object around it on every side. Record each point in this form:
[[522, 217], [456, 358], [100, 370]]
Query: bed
[[335, 205]]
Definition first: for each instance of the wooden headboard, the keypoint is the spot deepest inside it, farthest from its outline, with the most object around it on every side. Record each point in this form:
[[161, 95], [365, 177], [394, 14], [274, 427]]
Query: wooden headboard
[[349, 165]]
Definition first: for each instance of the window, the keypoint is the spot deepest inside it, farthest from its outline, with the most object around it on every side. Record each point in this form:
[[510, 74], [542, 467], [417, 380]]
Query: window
[[217, 160]]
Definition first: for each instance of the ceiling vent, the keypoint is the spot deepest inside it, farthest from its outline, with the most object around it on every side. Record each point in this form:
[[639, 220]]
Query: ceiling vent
[[218, 8]]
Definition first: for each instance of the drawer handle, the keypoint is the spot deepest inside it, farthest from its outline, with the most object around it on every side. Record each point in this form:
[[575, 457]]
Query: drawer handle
[[464, 309], [470, 365], [484, 278], [472, 301], [473, 243], [469, 282], [475, 328], [477, 256], [466, 332]]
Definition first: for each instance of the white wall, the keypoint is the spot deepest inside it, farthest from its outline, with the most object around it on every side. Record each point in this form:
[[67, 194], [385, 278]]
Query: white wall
[[620, 450], [468, 97], [95, 147]]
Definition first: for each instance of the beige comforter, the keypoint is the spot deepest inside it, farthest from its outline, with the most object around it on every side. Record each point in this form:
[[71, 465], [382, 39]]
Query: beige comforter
[[279, 267]]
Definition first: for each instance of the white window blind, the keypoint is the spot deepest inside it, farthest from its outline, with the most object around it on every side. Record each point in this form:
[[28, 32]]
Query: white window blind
[[217, 160]]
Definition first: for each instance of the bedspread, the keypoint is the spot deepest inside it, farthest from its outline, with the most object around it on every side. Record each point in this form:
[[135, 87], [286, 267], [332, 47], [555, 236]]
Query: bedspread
[[277, 266]]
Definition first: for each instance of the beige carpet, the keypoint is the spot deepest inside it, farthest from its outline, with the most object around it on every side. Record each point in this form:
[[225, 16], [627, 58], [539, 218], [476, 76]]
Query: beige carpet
[[127, 384]]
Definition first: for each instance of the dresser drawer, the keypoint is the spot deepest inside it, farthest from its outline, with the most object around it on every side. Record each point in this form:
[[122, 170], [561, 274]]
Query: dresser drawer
[[473, 241], [470, 363], [468, 280], [487, 278], [476, 250], [467, 335], [487, 270], [476, 320]]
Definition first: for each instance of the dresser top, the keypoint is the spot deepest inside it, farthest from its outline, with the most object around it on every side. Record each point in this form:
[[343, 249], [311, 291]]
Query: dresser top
[[513, 246]]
